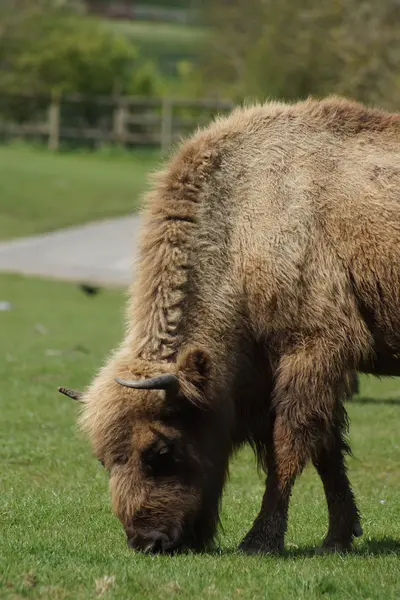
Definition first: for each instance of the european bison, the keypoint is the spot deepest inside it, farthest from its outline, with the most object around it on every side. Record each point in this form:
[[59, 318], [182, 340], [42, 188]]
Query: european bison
[[268, 272]]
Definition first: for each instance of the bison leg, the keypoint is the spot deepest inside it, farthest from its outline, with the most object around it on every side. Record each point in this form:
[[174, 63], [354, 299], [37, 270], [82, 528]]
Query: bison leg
[[344, 518], [268, 531], [285, 460], [309, 386]]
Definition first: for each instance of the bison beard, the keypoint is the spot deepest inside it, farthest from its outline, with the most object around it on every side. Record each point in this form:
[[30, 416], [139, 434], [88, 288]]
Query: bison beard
[[268, 273]]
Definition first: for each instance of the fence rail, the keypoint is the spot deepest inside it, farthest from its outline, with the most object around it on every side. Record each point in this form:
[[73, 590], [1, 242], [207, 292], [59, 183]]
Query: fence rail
[[126, 121]]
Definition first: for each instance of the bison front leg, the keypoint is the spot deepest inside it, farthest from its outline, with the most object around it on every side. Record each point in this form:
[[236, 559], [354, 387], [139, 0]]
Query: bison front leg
[[267, 534], [285, 461]]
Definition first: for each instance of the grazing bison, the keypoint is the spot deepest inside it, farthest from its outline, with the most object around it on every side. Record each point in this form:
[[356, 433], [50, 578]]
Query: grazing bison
[[268, 272]]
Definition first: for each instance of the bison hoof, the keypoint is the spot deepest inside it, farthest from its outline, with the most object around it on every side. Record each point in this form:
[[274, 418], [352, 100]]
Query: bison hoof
[[330, 547], [332, 544], [255, 543]]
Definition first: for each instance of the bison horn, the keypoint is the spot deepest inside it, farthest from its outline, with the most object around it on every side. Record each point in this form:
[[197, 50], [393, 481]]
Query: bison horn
[[162, 382], [71, 393]]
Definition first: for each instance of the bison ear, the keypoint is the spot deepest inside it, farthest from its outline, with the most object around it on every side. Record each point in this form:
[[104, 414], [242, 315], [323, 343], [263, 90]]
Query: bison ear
[[194, 371]]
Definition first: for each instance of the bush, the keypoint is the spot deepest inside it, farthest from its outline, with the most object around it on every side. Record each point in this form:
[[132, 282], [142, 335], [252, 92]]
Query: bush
[[281, 49], [46, 48], [64, 52]]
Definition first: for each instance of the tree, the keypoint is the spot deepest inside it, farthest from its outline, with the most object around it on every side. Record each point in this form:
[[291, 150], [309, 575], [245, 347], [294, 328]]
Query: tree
[[46, 47], [278, 48], [51, 46]]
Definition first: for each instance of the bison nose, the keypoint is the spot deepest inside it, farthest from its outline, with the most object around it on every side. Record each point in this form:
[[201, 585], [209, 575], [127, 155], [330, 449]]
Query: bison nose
[[153, 541]]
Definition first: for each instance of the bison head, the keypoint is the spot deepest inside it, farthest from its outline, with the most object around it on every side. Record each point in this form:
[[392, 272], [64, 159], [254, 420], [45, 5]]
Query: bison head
[[165, 446]]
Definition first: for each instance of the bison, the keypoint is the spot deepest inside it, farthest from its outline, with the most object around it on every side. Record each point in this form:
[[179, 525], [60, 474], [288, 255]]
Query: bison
[[268, 273]]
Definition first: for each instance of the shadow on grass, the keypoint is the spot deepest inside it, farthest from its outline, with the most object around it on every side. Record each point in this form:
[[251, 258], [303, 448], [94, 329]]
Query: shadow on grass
[[387, 402], [372, 547], [386, 545]]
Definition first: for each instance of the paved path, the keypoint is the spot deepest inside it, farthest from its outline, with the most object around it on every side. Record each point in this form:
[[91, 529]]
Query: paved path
[[98, 252]]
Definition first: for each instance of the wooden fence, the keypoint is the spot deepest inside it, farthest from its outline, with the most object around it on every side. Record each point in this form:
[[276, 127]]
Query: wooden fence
[[124, 121]]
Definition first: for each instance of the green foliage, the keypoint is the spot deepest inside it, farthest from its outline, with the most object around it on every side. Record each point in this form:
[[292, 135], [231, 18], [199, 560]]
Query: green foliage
[[181, 4], [273, 48], [164, 44], [48, 47], [146, 82], [186, 84], [168, 4], [51, 46], [50, 51], [76, 55], [59, 539]]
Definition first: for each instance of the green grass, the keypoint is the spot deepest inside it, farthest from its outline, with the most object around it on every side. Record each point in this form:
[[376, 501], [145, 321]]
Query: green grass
[[173, 35], [40, 191], [165, 43], [57, 534]]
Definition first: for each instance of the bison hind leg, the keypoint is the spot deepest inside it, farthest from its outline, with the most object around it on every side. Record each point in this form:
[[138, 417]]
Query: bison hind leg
[[344, 517]]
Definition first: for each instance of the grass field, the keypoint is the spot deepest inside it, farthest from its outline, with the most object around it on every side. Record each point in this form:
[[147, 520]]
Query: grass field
[[162, 42], [173, 36], [40, 191], [58, 537]]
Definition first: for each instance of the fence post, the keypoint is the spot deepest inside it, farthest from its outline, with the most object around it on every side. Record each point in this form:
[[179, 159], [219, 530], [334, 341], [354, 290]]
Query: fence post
[[166, 125], [54, 122], [119, 121]]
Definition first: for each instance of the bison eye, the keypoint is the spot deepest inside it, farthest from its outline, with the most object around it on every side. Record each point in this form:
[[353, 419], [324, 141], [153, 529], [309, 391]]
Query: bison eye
[[161, 460], [164, 451]]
